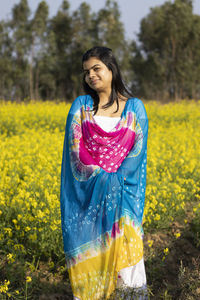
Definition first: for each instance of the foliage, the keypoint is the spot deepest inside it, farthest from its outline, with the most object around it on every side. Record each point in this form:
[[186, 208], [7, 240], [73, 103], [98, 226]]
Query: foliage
[[167, 58], [40, 56]]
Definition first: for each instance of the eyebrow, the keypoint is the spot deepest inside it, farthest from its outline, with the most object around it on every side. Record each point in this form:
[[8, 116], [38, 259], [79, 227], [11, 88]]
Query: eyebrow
[[90, 68]]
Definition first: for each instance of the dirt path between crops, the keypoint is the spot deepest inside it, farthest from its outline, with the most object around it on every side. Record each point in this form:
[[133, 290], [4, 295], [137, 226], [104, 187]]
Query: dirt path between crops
[[176, 275]]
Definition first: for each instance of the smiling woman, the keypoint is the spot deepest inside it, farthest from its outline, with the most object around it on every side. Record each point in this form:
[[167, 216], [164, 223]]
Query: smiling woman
[[108, 90], [103, 182]]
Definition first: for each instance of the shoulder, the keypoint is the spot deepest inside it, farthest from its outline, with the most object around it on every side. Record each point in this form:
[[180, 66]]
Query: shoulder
[[138, 107], [80, 101]]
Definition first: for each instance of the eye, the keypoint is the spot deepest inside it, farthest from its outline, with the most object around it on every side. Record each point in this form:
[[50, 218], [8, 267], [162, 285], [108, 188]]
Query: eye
[[85, 73], [96, 69]]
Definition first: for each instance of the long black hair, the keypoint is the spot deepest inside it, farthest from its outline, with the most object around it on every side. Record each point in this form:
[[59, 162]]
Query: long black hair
[[118, 89]]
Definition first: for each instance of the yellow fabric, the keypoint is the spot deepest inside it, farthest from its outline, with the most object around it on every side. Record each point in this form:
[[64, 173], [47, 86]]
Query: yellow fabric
[[96, 277]]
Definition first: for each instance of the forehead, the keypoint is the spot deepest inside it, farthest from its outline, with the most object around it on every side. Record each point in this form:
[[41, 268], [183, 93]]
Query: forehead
[[92, 61]]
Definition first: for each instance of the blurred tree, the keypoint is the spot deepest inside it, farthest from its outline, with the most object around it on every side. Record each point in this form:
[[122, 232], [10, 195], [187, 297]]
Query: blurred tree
[[21, 37], [191, 60], [168, 51], [48, 69], [6, 66], [39, 46], [109, 29], [60, 37]]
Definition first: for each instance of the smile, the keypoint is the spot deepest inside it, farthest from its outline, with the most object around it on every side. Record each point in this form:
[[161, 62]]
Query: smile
[[93, 81]]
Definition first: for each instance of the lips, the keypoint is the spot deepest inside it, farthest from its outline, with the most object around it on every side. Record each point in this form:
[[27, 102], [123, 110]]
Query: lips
[[93, 82]]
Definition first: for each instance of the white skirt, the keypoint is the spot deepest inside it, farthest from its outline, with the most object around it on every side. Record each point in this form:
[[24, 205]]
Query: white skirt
[[134, 277]]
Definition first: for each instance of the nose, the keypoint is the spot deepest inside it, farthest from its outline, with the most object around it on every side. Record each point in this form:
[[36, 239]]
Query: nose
[[91, 74]]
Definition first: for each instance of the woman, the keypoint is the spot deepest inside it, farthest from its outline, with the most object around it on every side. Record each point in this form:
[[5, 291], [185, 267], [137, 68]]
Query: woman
[[103, 181]]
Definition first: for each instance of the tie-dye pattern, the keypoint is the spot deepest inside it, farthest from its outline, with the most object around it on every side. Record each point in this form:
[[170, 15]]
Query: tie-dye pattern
[[102, 196]]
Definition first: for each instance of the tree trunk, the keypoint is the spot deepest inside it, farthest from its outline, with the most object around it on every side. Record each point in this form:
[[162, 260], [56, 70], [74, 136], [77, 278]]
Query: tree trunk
[[37, 84], [31, 74]]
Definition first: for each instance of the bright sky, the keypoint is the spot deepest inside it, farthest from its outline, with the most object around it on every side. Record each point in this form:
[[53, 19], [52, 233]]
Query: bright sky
[[132, 11]]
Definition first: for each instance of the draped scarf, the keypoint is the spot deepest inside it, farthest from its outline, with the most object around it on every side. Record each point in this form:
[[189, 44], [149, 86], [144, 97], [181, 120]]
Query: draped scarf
[[102, 194]]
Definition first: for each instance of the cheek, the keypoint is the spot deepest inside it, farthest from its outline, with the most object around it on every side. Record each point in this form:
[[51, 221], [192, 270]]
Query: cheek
[[86, 80], [109, 77]]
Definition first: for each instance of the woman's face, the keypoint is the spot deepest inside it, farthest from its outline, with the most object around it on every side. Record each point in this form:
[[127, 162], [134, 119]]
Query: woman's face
[[97, 75]]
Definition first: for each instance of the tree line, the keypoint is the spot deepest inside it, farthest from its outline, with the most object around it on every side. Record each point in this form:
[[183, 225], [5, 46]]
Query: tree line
[[40, 57]]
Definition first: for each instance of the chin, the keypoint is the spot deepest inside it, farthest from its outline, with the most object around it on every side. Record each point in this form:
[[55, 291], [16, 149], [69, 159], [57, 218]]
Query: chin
[[96, 89]]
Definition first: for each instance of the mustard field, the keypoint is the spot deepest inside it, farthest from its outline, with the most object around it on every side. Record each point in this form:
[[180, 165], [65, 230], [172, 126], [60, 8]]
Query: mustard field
[[31, 144]]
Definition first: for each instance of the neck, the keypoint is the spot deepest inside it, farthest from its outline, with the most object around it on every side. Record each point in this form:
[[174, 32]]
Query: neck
[[104, 97]]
